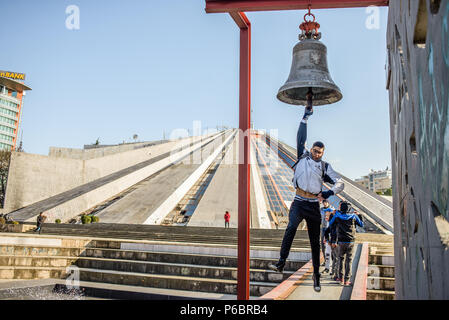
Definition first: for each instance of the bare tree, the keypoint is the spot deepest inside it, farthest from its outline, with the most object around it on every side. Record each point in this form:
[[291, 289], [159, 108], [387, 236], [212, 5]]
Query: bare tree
[[5, 157]]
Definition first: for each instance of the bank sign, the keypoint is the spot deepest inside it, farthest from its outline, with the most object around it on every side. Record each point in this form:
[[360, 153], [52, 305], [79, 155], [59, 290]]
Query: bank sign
[[12, 75]]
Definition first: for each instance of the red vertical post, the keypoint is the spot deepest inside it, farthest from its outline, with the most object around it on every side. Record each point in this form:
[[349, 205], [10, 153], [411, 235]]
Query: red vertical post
[[244, 168]]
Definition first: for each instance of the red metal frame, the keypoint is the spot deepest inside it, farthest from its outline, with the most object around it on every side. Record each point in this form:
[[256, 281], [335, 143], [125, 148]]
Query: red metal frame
[[236, 10], [216, 6], [244, 168]]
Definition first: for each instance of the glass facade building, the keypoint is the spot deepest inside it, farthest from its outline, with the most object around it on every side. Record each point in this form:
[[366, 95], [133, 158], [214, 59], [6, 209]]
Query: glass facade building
[[11, 103]]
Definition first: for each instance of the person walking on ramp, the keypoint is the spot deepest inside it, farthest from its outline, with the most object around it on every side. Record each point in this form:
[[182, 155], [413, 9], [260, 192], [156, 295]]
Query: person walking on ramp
[[309, 174], [344, 221]]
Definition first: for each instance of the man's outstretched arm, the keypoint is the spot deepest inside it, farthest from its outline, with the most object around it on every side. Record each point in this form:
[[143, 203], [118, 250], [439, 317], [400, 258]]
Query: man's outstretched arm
[[301, 136]]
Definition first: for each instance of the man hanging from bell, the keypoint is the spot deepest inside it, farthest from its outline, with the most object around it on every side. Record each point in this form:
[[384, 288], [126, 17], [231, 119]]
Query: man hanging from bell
[[310, 172]]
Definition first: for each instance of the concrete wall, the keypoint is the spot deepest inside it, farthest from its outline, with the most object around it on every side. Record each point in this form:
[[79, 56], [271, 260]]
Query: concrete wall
[[35, 177], [418, 48], [221, 194], [86, 154], [377, 210]]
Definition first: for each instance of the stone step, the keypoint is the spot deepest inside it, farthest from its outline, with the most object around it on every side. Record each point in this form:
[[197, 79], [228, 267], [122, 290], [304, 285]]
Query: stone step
[[380, 283], [124, 292], [35, 251], [380, 240], [36, 261], [379, 295], [382, 252], [298, 241], [175, 257], [177, 269], [172, 282], [158, 229], [27, 273], [380, 259], [381, 271]]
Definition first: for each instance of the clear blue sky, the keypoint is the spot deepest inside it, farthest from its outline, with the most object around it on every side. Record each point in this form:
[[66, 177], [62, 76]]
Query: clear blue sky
[[142, 67]]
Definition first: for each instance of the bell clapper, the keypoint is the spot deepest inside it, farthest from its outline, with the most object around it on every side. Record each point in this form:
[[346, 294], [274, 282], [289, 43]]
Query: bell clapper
[[309, 100]]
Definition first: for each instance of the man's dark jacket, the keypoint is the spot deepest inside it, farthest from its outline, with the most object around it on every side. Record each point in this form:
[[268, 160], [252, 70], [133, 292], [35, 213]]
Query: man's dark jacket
[[345, 226]]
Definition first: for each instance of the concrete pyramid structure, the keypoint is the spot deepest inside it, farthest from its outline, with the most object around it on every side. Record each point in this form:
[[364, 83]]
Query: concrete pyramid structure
[[190, 181]]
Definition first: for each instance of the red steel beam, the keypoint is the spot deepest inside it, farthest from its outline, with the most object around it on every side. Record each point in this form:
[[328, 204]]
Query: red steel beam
[[243, 249], [241, 20], [215, 6]]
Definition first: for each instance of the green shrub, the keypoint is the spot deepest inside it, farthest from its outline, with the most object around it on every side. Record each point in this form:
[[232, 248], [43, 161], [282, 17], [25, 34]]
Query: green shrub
[[2, 220], [15, 222], [86, 219], [95, 219], [58, 221]]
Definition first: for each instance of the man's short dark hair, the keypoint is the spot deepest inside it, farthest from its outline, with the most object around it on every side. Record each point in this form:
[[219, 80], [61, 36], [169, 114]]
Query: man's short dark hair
[[345, 206], [318, 144]]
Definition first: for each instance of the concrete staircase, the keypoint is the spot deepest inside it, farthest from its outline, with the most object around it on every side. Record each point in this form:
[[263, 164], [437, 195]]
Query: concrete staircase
[[176, 267], [163, 261], [207, 235], [174, 270], [26, 260], [380, 284]]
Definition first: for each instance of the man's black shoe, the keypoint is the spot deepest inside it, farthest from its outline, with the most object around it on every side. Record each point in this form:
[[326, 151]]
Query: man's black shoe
[[278, 267], [316, 282]]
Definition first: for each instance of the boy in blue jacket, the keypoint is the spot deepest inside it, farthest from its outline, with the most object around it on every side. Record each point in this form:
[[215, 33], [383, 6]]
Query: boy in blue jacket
[[345, 225]]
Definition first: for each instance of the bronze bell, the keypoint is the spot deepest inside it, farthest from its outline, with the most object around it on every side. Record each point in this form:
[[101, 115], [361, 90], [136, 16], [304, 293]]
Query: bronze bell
[[309, 70]]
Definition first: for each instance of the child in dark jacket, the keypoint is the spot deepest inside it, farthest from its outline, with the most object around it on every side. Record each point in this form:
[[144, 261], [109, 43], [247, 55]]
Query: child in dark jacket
[[345, 228]]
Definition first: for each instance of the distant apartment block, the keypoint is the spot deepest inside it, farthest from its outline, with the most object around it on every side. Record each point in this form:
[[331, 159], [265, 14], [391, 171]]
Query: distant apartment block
[[12, 91], [376, 180]]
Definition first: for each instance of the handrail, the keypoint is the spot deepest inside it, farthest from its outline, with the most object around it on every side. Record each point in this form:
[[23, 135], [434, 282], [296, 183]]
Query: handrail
[[283, 290], [360, 282]]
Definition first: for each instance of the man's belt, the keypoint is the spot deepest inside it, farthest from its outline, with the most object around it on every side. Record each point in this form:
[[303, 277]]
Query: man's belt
[[305, 194]]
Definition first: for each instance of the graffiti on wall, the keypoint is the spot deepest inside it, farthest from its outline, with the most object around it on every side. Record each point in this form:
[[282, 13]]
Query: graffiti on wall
[[418, 42], [434, 122]]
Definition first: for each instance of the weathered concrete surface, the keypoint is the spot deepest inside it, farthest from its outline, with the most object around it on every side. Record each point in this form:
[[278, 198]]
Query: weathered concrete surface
[[210, 154], [33, 178], [70, 203], [137, 206], [418, 49], [141, 204], [221, 195], [86, 154], [259, 203], [377, 209]]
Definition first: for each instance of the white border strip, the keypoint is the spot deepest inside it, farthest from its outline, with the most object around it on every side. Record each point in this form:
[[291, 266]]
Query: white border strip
[[164, 209], [262, 215], [30, 241]]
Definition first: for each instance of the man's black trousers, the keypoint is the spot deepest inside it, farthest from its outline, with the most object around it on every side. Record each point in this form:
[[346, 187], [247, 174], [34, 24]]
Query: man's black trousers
[[310, 211]]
